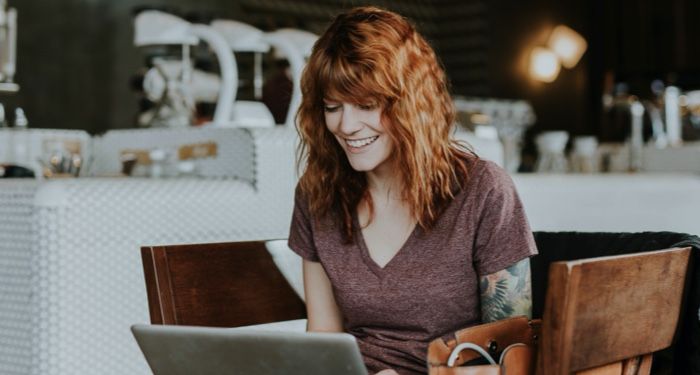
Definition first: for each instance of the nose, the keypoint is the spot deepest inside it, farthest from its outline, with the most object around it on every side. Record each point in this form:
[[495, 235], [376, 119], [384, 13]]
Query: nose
[[350, 121]]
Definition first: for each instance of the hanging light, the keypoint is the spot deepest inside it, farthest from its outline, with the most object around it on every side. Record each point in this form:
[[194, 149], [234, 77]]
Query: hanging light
[[568, 45], [544, 64]]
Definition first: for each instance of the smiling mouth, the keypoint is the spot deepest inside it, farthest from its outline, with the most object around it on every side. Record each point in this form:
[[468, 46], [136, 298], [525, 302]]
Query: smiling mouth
[[358, 143]]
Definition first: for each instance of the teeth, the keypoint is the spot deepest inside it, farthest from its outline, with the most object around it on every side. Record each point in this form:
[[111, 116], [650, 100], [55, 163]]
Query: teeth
[[361, 142]]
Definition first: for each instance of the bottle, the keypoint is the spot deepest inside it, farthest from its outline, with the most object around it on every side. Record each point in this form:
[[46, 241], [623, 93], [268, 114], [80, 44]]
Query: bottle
[[636, 139], [673, 115], [5, 141], [3, 123], [20, 139]]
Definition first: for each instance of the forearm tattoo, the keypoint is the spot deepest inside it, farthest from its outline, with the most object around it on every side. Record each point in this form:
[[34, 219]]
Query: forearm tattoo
[[506, 293]]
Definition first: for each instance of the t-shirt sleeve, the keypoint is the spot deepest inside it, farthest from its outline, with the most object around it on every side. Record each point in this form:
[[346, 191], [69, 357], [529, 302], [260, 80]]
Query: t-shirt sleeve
[[301, 239], [503, 235]]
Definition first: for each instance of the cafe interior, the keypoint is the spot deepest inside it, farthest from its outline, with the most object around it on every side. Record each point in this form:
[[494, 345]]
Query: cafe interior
[[134, 133]]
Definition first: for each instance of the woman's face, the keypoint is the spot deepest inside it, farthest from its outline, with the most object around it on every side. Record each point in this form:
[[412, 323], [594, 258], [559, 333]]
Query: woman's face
[[361, 133]]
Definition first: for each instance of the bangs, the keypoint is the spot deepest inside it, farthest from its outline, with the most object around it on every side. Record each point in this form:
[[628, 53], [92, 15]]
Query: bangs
[[341, 80]]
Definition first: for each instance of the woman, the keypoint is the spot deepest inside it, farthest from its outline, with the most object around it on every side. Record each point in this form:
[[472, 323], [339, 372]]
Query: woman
[[406, 235]]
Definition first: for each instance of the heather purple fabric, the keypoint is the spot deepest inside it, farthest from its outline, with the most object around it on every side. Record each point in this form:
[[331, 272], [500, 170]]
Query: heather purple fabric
[[430, 288]]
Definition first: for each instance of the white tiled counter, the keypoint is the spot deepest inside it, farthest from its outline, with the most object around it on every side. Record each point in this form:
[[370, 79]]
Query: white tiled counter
[[71, 280]]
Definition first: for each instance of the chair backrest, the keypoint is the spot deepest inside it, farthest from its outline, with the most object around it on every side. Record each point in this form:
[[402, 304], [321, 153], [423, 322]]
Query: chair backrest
[[219, 285], [609, 313]]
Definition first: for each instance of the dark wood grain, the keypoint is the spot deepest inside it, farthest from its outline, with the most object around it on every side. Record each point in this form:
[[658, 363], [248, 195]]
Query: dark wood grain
[[218, 285]]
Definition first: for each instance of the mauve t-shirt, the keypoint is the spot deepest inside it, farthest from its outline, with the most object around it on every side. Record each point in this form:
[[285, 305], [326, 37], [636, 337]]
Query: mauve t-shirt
[[430, 288]]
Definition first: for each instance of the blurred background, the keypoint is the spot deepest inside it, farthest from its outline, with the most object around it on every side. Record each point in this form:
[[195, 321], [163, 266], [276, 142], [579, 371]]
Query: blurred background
[[150, 122], [76, 58], [78, 66]]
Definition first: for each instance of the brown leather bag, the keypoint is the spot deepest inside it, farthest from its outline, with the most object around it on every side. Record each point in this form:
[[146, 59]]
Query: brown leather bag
[[512, 341]]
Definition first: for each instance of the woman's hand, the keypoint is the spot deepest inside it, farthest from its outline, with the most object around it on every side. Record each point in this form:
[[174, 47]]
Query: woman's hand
[[387, 372]]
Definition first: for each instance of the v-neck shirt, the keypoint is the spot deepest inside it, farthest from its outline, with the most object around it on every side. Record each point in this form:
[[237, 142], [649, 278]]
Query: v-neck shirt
[[430, 288], [366, 254]]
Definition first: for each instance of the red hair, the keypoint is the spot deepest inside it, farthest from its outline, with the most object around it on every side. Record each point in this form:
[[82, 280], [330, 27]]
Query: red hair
[[370, 55]]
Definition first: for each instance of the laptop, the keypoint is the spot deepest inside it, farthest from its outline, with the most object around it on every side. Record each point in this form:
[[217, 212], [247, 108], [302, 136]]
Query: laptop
[[183, 350]]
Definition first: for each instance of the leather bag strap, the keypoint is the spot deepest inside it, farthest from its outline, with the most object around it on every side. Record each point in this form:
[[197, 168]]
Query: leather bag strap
[[492, 337]]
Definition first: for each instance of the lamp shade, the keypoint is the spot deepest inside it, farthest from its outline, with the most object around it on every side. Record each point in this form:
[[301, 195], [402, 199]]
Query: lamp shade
[[568, 45], [544, 64]]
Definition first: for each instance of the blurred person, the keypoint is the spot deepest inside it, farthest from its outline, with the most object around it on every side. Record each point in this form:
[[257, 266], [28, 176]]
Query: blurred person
[[277, 91]]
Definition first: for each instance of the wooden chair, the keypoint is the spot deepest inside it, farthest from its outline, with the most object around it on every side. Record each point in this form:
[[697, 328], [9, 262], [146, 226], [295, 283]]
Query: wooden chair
[[219, 285], [607, 315]]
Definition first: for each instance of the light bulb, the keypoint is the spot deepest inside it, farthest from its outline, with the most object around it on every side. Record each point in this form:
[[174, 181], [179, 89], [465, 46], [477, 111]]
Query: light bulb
[[544, 64], [568, 45]]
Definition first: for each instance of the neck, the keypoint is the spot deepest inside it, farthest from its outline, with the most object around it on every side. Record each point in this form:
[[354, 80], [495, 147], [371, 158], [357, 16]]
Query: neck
[[384, 183]]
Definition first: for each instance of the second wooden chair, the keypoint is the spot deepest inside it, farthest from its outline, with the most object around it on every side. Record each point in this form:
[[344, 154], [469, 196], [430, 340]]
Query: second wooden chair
[[219, 285]]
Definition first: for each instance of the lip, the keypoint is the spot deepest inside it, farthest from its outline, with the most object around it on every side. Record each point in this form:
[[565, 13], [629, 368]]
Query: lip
[[361, 149]]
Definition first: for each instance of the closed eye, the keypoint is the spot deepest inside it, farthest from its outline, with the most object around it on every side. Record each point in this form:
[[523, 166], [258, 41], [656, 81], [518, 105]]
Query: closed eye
[[367, 107], [331, 108]]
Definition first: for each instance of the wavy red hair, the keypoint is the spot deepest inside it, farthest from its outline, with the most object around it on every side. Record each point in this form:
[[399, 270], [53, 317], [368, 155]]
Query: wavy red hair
[[371, 55]]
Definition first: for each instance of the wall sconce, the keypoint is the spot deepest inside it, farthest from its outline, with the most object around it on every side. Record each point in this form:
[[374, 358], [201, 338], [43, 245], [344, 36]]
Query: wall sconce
[[565, 47], [544, 64], [568, 45]]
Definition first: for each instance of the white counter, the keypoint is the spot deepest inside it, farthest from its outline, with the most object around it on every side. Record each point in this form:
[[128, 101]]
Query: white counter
[[612, 202]]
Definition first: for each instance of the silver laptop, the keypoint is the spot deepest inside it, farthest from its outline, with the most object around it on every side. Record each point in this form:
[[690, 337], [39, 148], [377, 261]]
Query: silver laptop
[[175, 350]]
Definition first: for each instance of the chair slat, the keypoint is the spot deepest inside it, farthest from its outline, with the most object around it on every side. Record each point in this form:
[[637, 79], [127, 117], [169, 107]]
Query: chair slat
[[603, 310], [219, 285]]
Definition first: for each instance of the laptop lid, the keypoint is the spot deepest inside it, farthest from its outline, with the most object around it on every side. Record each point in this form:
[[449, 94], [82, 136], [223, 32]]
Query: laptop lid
[[183, 350]]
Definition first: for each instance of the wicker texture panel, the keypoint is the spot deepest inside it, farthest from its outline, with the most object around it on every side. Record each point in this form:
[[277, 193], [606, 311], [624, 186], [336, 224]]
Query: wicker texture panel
[[74, 280], [16, 213]]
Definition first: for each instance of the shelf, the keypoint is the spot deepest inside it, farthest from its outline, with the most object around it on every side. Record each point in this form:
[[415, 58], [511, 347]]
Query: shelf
[[9, 87]]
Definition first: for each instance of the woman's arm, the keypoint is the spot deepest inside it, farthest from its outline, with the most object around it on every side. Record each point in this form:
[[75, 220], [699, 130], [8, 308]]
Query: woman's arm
[[506, 293], [323, 313]]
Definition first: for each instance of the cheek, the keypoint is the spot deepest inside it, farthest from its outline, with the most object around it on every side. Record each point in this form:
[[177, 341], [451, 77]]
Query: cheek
[[375, 120], [382, 123], [331, 121], [388, 146]]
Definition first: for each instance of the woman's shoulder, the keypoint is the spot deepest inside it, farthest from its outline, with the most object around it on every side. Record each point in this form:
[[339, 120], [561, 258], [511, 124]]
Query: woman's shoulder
[[492, 171], [301, 200], [300, 195], [484, 173], [298, 190], [302, 205]]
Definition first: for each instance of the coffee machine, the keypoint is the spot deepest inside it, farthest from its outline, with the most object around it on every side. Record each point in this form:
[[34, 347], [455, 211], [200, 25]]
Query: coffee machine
[[8, 47], [169, 83]]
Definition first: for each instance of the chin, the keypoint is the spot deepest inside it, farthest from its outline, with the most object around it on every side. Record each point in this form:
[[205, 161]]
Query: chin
[[363, 166], [368, 161]]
